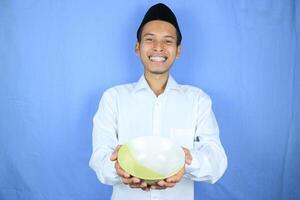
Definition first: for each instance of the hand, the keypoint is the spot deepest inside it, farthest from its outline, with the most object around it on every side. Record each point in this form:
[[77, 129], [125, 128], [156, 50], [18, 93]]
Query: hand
[[188, 156], [127, 179], [169, 182], [173, 180]]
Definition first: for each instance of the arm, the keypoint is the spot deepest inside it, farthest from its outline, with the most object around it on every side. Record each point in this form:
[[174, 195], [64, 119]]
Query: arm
[[209, 160], [105, 146], [105, 140]]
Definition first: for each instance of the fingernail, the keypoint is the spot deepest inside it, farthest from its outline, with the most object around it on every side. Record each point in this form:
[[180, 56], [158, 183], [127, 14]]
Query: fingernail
[[160, 183], [144, 184], [136, 180]]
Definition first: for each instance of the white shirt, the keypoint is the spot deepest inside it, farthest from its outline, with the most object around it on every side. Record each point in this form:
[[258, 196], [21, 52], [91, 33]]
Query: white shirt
[[182, 113]]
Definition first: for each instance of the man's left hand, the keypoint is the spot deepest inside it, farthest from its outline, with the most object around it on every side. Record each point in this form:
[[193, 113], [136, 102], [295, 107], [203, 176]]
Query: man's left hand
[[173, 180]]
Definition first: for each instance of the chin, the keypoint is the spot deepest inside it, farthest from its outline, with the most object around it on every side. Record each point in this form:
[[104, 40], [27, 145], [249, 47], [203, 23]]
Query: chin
[[157, 72]]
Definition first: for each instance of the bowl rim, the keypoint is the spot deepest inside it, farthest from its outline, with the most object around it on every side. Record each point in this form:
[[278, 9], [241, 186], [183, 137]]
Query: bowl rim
[[150, 178]]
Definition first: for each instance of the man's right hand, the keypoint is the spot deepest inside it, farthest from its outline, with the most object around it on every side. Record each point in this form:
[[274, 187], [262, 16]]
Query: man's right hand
[[127, 179]]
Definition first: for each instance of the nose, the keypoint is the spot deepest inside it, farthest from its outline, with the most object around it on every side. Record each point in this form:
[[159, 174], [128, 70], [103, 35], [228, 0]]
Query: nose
[[158, 46]]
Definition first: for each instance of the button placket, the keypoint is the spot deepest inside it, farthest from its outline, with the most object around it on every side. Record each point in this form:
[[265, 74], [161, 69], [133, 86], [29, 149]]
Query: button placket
[[156, 118], [155, 195]]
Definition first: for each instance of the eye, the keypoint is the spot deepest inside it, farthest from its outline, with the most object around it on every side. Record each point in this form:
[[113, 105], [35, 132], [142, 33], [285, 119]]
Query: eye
[[148, 39], [169, 42]]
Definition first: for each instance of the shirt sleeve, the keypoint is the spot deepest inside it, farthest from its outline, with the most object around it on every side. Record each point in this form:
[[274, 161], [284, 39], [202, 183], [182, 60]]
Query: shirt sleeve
[[105, 140], [209, 160]]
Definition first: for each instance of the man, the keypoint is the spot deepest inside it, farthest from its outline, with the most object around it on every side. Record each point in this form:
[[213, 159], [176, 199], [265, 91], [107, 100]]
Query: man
[[157, 105]]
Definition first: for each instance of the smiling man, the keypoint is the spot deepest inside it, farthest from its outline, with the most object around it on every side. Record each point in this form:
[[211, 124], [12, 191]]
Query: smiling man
[[157, 105]]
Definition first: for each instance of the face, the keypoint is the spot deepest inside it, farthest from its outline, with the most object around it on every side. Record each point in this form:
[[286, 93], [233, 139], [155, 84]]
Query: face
[[158, 47]]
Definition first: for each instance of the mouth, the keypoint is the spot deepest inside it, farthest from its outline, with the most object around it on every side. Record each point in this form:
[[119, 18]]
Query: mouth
[[158, 58]]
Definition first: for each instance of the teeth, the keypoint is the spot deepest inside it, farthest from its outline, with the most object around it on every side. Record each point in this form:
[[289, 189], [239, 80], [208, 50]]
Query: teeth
[[157, 58]]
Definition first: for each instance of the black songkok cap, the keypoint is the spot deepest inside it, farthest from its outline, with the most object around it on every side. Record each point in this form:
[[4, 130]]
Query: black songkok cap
[[160, 12]]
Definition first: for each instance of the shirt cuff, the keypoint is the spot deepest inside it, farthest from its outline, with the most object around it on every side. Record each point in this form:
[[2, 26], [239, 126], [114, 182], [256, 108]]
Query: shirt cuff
[[110, 175], [200, 167]]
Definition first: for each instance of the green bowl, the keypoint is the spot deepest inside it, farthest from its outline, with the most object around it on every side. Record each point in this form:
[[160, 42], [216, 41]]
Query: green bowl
[[151, 158]]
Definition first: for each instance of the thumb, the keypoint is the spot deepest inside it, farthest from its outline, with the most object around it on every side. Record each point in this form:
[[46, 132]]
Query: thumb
[[188, 156], [114, 155], [188, 159]]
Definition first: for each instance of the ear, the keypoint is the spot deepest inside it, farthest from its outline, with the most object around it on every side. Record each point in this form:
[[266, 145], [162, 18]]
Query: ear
[[178, 51], [137, 48]]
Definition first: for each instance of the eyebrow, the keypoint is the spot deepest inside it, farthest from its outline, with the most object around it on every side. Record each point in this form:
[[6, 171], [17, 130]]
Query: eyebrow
[[170, 36], [166, 36], [148, 34]]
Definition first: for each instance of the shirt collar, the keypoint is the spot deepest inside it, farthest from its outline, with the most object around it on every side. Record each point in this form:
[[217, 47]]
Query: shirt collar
[[143, 84]]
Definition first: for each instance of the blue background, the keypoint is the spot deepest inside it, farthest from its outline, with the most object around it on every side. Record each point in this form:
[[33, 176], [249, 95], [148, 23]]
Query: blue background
[[57, 57]]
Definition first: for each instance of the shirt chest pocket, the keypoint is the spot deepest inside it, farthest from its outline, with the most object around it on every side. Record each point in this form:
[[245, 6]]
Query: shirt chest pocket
[[183, 136]]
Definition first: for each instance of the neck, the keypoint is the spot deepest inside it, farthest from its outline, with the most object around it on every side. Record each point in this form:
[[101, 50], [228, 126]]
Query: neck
[[157, 82]]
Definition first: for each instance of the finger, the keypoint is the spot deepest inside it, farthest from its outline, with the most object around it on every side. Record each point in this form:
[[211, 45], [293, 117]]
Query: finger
[[141, 185], [114, 155], [146, 189], [120, 171], [132, 180], [188, 159], [126, 181], [176, 178], [135, 180], [157, 187], [188, 156], [144, 184], [135, 185], [163, 183]]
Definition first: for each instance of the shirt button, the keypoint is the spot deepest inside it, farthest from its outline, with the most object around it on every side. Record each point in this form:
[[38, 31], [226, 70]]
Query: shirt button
[[155, 198]]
